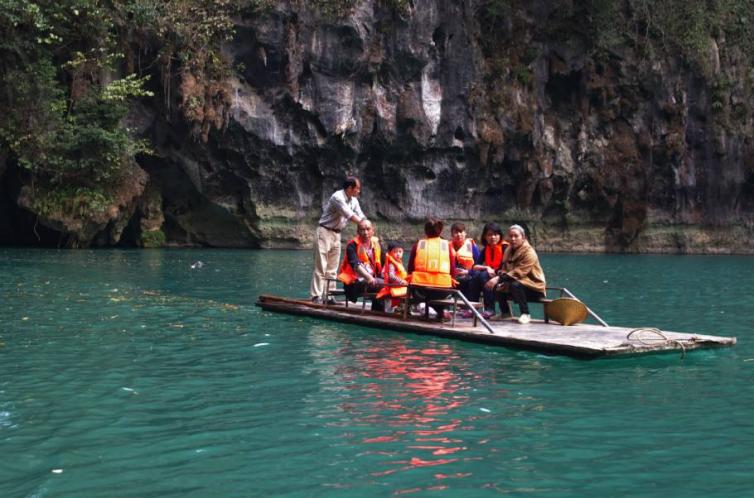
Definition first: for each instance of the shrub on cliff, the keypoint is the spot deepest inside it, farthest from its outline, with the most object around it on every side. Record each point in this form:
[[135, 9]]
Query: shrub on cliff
[[60, 110], [64, 96]]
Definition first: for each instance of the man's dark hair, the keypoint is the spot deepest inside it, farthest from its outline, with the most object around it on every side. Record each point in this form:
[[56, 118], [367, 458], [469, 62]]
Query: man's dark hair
[[457, 227], [350, 181], [433, 227]]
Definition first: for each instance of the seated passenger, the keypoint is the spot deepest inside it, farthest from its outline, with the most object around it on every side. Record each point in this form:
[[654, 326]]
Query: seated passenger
[[432, 263], [466, 253], [485, 267], [394, 274], [361, 268], [521, 278]]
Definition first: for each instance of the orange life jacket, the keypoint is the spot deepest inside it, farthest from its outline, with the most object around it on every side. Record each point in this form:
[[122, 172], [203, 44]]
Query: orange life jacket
[[432, 263], [493, 255], [347, 274], [465, 254], [400, 272]]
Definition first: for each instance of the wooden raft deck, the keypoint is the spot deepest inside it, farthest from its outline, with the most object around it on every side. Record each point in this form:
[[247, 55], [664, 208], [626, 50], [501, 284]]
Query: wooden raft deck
[[583, 341]]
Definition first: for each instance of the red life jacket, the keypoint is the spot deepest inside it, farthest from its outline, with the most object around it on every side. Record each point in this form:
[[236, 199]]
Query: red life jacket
[[347, 274], [493, 255]]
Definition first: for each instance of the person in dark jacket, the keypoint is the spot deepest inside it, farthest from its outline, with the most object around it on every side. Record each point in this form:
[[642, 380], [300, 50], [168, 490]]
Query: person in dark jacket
[[361, 269], [485, 267]]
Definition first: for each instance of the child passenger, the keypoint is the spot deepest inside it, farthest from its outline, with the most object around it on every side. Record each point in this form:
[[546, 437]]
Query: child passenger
[[466, 253], [394, 274]]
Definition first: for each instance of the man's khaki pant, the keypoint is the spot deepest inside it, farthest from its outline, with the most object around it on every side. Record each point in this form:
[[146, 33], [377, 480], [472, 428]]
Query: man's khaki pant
[[326, 260]]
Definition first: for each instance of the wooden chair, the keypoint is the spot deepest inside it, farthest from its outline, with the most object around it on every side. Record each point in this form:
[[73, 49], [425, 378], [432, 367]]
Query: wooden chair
[[341, 292], [328, 293], [451, 302]]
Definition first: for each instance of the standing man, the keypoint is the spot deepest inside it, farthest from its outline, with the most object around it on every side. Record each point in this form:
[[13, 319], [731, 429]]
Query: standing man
[[342, 207]]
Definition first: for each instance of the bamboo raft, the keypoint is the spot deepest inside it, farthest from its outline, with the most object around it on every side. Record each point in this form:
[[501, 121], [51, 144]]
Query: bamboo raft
[[581, 341]]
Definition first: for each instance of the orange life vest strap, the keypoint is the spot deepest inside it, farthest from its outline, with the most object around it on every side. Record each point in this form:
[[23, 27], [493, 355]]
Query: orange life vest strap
[[465, 254], [493, 255]]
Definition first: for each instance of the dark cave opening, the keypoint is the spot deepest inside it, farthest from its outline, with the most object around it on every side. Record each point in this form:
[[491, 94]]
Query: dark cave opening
[[563, 90], [19, 227]]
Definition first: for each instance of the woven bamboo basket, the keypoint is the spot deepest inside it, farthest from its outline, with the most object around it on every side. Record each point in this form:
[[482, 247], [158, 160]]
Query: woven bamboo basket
[[566, 311]]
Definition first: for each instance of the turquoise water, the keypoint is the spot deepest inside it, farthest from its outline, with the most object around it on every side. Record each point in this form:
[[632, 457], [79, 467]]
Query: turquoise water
[[128, 374]]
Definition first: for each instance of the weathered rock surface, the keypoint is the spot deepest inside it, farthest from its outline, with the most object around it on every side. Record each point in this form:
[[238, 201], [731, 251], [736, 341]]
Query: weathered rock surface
[[103, 228], [616, 152]]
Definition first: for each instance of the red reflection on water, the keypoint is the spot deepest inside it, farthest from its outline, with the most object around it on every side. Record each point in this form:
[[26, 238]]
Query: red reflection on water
[[418, 462], [414, 391], [452, 476], [416, 490], [448, 451], [380, 439]]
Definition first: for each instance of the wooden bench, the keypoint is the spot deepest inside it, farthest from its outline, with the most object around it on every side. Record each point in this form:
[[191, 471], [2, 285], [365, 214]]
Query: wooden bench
[[341, 292], [573, 316], [542, 301], [564, 316], [452, 303]]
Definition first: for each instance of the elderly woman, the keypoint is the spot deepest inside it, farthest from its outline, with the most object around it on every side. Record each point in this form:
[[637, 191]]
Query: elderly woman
[[521, 278]]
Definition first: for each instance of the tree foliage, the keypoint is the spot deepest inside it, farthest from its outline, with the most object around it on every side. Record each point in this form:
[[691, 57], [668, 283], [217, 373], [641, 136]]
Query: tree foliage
[[63, 102], [68, 75], [664, 27]]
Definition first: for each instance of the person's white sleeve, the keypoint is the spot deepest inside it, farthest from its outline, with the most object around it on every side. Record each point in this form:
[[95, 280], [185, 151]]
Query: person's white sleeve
[[357, 211], [343, 207]]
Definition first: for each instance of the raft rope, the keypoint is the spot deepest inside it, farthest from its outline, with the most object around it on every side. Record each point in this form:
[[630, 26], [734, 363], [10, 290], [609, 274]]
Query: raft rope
[[658, 332]]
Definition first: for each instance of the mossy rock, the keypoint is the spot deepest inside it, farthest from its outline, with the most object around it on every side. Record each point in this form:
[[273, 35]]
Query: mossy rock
[[153, 238]]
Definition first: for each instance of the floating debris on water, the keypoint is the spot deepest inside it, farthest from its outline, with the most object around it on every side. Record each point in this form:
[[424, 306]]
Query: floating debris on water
[[157, 296], [57, 471], [485, 410], [196, 265], [261, 344]]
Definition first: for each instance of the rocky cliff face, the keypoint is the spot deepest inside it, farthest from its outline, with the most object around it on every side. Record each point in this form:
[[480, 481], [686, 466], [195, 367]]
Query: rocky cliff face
[[449, 109]]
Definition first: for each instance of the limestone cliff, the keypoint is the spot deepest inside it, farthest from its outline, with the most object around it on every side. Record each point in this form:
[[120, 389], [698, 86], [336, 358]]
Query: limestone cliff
[[451, 109]]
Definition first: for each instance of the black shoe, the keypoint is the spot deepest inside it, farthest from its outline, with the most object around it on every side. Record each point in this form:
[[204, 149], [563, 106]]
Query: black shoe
[[331, 301], [316, 300]]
